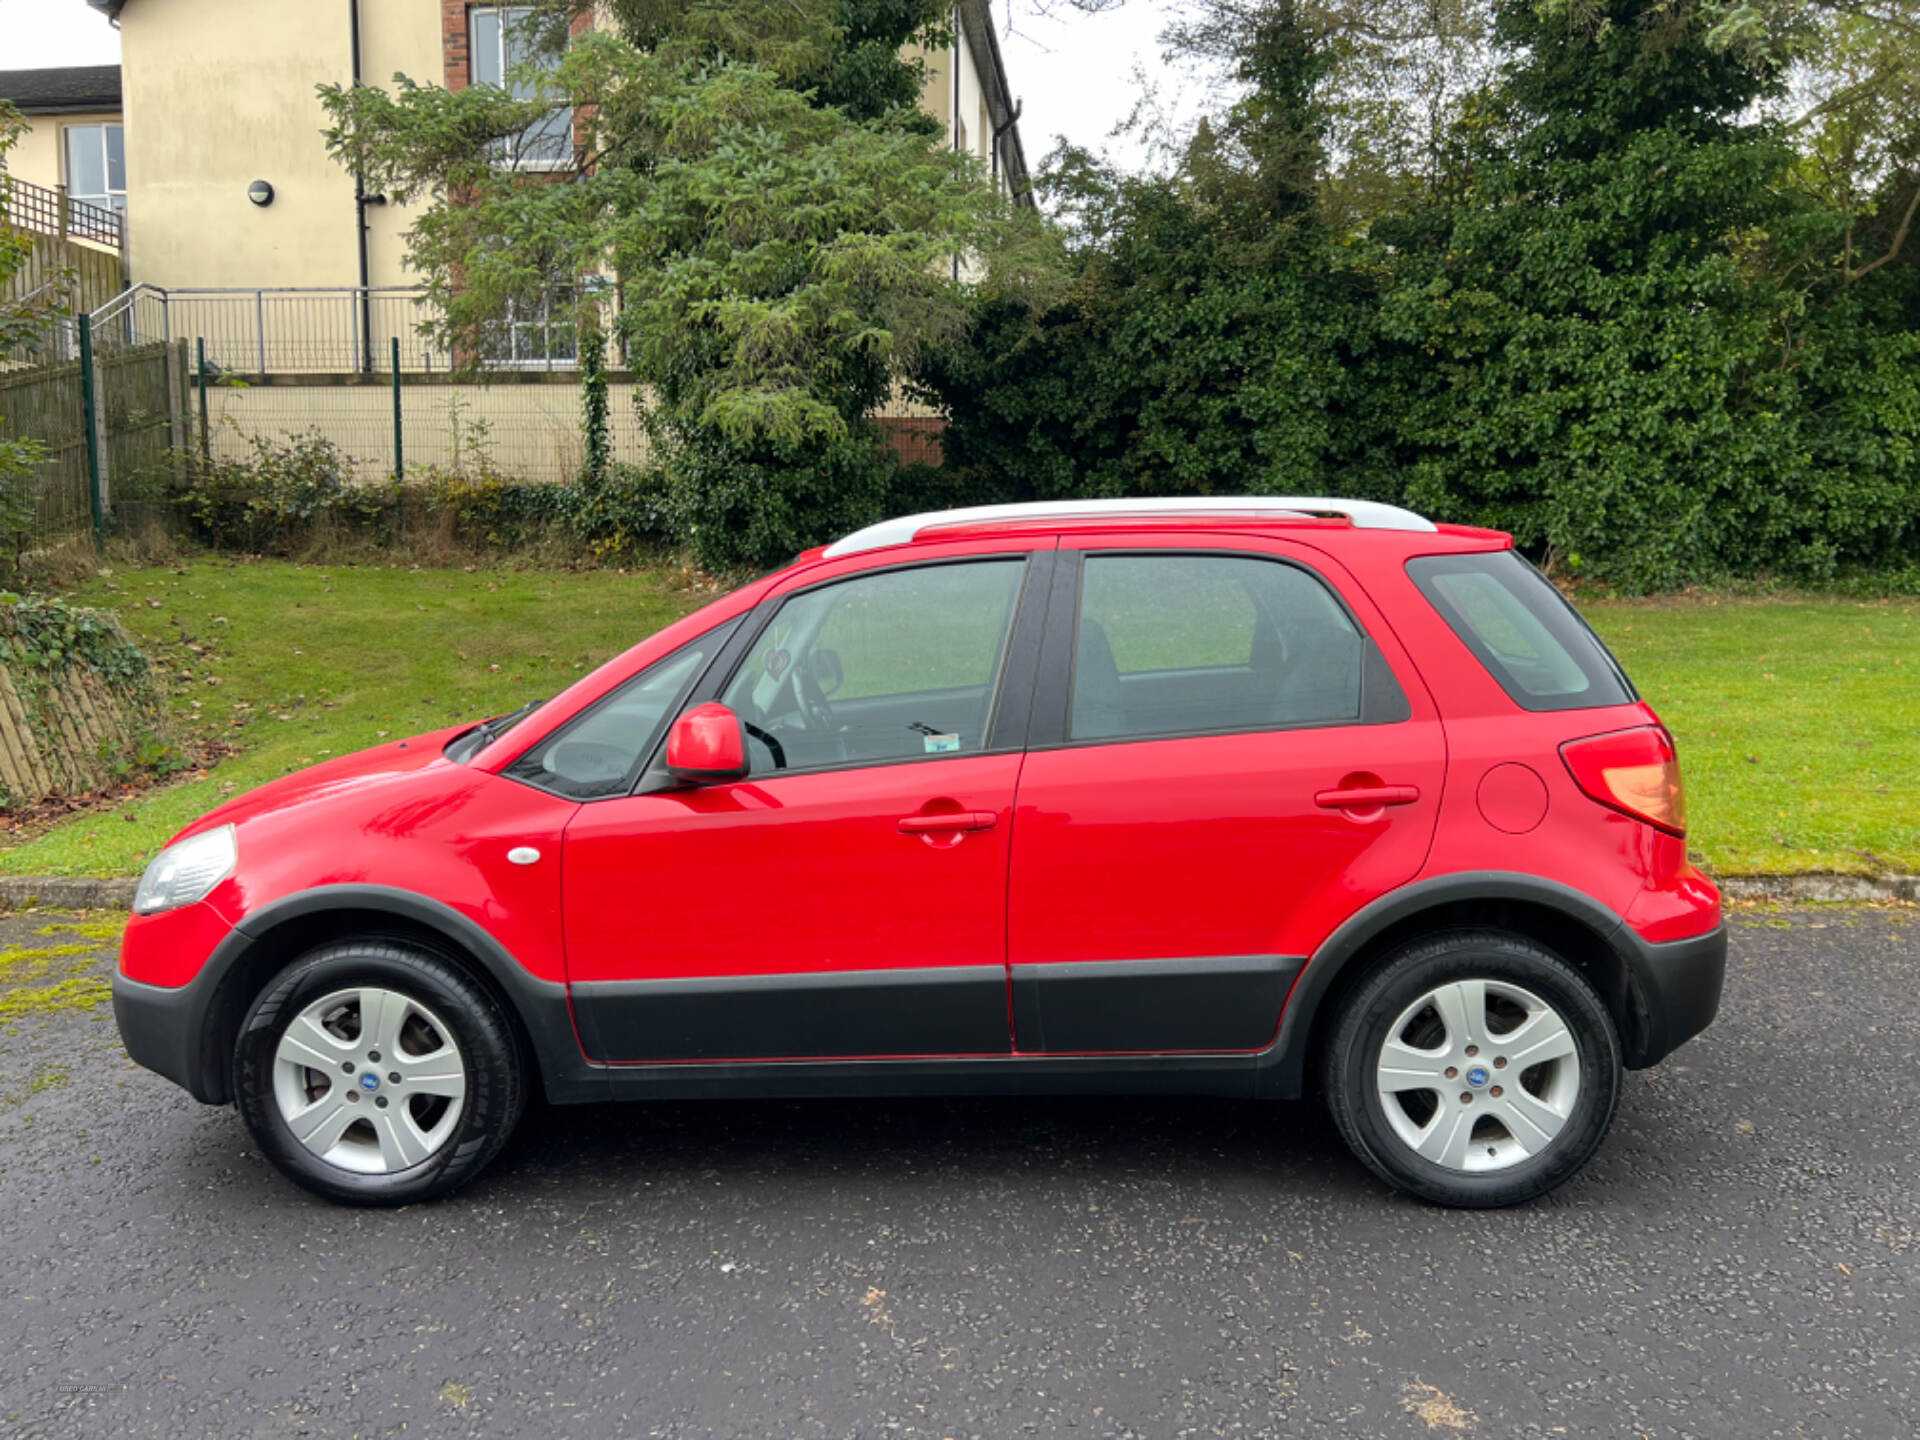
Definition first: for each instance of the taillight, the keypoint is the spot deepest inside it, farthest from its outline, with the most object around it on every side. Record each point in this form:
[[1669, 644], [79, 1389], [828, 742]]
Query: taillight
[[1633, 771]]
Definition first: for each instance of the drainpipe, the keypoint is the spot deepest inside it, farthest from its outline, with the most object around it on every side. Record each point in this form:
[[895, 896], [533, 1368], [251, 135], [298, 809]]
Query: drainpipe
[[953, 86], [360, 207], [993, 161]]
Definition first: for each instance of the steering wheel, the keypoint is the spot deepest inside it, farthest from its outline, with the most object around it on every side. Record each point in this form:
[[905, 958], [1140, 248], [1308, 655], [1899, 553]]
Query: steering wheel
[[819, 714]]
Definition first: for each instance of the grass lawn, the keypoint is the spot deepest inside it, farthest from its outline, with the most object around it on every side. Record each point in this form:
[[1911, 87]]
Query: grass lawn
[[299, 662], [1798, 720]]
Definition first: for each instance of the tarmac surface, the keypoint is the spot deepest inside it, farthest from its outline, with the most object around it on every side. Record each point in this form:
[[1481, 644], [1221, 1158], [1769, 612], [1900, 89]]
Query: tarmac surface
[[1739, 1259]]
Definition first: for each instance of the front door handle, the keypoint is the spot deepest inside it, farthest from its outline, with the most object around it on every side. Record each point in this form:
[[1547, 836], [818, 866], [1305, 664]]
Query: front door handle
[[951, 820], [1366, 797]]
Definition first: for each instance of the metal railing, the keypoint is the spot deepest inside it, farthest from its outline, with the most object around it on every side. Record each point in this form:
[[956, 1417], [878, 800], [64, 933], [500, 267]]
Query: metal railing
[[55, 212], [339, 330], [295, 330]]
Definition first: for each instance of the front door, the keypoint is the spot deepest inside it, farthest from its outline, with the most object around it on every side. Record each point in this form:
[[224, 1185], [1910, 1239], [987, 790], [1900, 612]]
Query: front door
[[847, 898], [1226, 767]]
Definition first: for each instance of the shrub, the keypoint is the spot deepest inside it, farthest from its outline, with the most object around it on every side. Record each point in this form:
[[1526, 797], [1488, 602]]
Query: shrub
[[742, 509], [281, 490], [625, 511]]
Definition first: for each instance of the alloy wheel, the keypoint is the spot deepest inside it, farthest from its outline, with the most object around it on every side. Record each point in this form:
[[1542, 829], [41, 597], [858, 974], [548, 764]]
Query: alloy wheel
[[370, 1080], [1478, 1076]]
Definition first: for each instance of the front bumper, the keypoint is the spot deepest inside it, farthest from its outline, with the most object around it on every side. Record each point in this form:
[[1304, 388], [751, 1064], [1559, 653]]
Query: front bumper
[[1675, 991], [164, 1029]]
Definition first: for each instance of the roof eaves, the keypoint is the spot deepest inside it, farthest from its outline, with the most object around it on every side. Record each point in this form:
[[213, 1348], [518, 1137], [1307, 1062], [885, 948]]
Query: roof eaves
[[62, 90], [977, 24]]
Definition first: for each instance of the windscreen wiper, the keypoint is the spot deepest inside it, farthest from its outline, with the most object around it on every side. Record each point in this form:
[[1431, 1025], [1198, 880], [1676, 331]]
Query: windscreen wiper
[[487, 731]]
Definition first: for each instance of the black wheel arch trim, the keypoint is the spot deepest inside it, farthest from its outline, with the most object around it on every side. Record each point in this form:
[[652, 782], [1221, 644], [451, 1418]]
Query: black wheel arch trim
[[1673, 988], [168, 1029]]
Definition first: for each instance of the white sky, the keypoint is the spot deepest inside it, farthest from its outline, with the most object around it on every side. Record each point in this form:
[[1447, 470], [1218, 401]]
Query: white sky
[[1075, 72], [39, 33]]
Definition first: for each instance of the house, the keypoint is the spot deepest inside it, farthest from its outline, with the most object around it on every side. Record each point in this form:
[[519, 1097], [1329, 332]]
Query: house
[[229, 181], [74, 136]]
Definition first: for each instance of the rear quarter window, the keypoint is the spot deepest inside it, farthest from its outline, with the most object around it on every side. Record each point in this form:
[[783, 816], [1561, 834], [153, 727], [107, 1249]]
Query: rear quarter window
[[1523, 630]]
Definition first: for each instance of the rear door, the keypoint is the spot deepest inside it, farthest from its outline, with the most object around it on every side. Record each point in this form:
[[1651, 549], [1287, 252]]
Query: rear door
[[1229, 755]]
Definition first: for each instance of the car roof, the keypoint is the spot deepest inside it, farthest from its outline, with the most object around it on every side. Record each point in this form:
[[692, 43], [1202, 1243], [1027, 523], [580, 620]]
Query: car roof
[[1224, 511]]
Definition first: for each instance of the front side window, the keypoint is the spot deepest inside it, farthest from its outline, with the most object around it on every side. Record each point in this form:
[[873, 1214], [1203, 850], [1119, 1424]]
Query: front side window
[[97, 166], [600, 753], [1188, 644], [500, 51], [896, 665], [1522, 629]]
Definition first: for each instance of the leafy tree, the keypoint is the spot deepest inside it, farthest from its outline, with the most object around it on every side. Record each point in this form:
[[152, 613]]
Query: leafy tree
[[783, 227], [1607, 345], [1209, 336]]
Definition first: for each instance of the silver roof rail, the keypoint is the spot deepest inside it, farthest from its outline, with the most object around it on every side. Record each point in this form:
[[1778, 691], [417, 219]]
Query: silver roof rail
[[1364, 514]]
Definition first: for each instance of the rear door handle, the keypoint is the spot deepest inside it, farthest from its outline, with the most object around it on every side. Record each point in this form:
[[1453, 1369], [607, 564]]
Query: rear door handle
[[951, 820], [1365, 797]]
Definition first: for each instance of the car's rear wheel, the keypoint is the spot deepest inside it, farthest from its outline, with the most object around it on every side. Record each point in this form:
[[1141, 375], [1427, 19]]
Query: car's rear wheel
[[1473, 1068], [377, 1074]]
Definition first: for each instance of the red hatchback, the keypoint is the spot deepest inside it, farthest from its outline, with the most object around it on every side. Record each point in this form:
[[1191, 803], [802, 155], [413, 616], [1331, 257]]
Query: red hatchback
[[1234, 797]]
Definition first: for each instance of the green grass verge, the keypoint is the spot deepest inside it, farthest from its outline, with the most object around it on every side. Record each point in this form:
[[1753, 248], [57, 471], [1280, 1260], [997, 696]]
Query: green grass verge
[[1798, 722], [296, 663], [1798, 719]]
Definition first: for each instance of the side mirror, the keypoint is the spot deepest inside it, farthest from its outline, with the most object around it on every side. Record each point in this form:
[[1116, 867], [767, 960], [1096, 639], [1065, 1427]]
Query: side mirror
[[707, 746]]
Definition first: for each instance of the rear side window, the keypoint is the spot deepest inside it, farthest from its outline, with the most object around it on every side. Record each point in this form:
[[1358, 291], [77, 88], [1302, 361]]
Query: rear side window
[[1195, 644], [1523, 630]]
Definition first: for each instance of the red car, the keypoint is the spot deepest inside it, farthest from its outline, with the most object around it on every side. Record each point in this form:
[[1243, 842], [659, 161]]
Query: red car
[[1231, 797]]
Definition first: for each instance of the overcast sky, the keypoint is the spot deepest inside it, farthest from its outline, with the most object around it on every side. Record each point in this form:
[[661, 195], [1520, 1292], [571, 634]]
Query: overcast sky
[[1075, 72]]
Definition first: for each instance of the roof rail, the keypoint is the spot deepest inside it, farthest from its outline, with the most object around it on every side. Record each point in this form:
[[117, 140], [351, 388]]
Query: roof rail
[[1364, 515]]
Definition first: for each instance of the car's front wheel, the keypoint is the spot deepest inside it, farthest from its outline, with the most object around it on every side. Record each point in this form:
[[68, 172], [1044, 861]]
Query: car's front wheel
[[1473, 1068], [376, 1074]]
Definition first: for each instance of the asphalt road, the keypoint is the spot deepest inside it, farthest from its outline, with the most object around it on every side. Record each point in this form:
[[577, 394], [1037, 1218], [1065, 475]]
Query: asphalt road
[[1738, 1261]]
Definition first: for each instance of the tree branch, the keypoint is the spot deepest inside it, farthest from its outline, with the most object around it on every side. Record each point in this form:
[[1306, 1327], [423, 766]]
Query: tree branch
[[1899, 239]]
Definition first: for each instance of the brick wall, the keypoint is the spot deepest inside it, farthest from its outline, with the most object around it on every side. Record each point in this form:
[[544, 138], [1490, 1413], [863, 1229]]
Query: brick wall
[[453, 43]]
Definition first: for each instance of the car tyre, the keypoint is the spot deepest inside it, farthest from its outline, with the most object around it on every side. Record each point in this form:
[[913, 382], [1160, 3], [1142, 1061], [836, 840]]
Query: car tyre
[[413, 1124], [1421, 1085]]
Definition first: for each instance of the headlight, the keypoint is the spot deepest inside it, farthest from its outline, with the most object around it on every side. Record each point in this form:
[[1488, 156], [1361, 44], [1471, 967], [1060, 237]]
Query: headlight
[[184, 873]]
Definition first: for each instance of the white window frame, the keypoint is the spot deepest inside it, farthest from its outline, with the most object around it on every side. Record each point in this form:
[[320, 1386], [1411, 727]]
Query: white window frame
[[110, 198], [492, 26], [509, 332]]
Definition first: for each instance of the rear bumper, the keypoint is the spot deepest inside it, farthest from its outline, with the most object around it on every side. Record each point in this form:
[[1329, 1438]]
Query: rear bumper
[[164, 1029], [1675, 992]]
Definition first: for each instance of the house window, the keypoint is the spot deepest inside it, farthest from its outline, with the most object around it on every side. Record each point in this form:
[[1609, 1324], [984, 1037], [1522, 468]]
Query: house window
[[535, 334], [498, 47], [97, 166]]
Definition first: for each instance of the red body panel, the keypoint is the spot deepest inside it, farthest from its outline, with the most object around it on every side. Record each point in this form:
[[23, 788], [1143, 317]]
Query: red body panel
[[1577, 842], [400, 815], [169, 948], [763, 876]]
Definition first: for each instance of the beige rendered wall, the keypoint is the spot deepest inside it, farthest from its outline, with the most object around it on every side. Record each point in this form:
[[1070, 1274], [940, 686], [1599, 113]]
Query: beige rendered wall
[[937, 98], [35, 157], [397, 37], [530, 432], [220, 93]]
